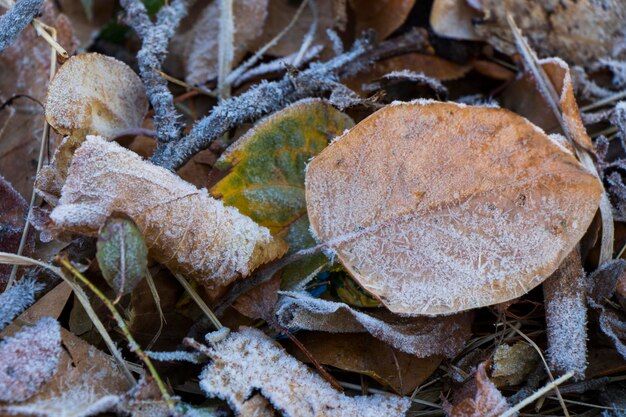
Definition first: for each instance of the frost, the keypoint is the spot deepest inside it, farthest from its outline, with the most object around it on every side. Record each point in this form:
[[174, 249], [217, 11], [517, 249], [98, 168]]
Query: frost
[[29, 359], [16, 19], [17, 299], [176, 356], [382, 198], [248, 361], [184, 228], [421, 337]]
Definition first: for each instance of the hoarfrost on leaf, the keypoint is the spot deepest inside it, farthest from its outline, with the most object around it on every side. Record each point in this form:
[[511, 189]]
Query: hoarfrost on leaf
[[248, 360], [383, 198], [184, 228], [29, 359]]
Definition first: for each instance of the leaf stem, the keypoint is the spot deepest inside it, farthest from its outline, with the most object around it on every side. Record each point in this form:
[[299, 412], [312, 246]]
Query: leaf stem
[[134, 346]]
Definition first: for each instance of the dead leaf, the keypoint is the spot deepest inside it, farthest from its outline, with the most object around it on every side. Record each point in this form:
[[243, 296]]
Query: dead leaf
[[453, 19], [484, 399], [93, 94], [202, 47], [25, 69], [248, 360], [280, 14], [422, 336], [579, 31], [265, 179], [384, 16], [436, 208], [184, 228], [13, 211], [513, 364], [366, 355], [29, 359], [259, 302]]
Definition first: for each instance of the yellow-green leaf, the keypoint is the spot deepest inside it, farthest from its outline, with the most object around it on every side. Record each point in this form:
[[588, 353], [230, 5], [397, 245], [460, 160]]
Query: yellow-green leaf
[[266, 173]]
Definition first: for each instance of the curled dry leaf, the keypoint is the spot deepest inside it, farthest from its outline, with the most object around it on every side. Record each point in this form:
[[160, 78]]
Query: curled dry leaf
[[436, 208], [97, 95], [202, 48], [421, 336], [366, 355], [384, 16], [29, 360], [483, 399], [122, 254], [248, 360], [184, 228], [453, 19], [265, 179]]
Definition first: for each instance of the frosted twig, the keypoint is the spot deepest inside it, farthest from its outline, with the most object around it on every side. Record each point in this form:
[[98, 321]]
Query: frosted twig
[[267, 98], [566, 317], [16, 19], [309, 36], [155, 39], [17, 299], [547, 388]]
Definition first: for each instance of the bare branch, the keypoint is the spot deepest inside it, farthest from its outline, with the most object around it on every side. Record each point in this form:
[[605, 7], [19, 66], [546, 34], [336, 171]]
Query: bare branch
[[267, 98], [16, 19], [155, 39]]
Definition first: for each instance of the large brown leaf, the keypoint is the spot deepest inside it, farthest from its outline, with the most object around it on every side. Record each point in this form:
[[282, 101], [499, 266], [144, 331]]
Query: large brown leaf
[[437, 207]]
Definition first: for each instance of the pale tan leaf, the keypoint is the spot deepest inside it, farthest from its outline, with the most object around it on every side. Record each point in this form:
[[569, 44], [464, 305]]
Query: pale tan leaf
[[420, 336], [453, 19], [513, 364], [184, 228], [95, 94], [201, 61], [436, 207], [248, 360]]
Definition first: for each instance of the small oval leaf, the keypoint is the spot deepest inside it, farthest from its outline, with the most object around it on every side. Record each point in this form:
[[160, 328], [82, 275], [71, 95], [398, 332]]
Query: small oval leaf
[[122, 254]]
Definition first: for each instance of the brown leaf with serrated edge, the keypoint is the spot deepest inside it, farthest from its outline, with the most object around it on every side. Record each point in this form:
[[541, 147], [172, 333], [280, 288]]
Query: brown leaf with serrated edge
[[483, 399], [384, 16], [366, 355], [437, 207], [184, 228], [248, 360], [419, 336], [13, 211]]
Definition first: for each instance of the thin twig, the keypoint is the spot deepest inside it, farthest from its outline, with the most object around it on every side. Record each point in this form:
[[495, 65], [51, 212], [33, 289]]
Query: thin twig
[[199, 301], [225, 48], [542, 391], [134, 346]]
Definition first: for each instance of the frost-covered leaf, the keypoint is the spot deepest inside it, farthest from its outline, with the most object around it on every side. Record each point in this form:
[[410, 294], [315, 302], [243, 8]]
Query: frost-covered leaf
[[436, 208], [384, 16], [265, 179], [421, 336], [202, 49], [13, 211], [366, 355], [247, 361], [97, 95], [185, 229], [513, 364], [29, 359], [484, 399], [122, 254]]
